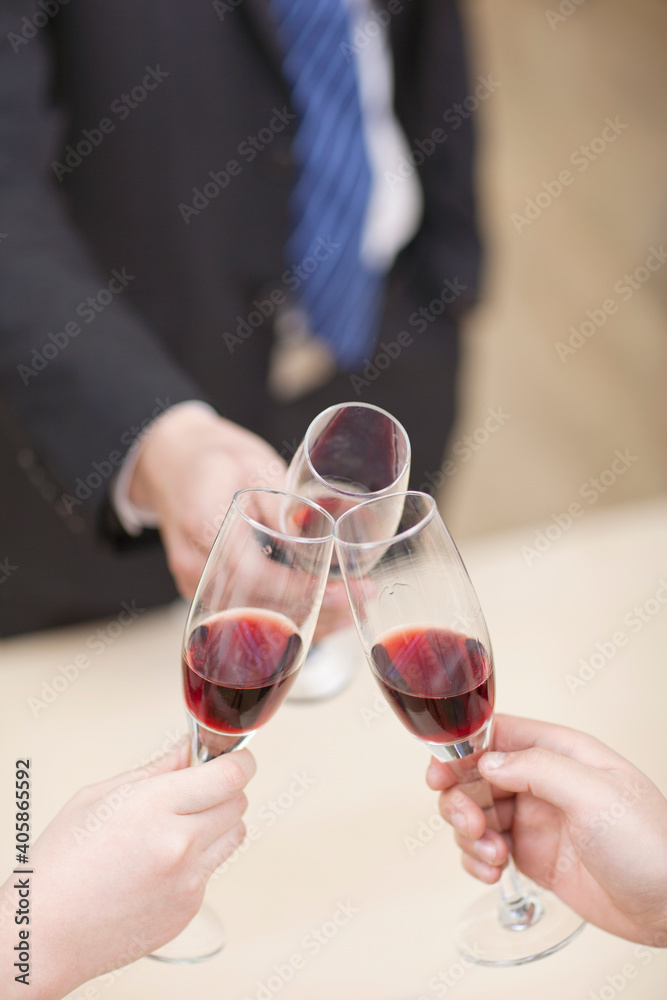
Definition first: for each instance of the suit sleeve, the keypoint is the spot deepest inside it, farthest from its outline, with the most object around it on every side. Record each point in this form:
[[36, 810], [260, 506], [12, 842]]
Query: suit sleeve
[[80, 373]]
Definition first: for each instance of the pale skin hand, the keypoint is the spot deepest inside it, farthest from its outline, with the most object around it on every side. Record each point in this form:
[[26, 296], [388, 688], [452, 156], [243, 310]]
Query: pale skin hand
[[579, 819], [191, 464], [101, 900]]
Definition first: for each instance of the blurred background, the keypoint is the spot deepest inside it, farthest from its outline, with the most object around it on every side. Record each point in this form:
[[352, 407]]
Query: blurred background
[[573, 64]]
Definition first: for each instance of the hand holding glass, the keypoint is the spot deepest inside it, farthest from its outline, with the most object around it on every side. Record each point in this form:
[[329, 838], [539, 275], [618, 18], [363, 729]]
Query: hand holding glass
[[247, 633], [427, 643]]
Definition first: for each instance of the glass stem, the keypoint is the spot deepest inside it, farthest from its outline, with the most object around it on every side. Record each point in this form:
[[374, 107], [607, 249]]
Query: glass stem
[[207, 744], [518, 908]]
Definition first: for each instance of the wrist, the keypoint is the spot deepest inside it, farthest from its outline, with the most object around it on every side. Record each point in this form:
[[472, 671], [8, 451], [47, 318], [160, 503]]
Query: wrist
[[46, 974], [166, 445]]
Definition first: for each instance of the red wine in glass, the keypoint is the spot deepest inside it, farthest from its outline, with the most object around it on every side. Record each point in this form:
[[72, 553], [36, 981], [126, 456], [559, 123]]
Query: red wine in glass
[[238, 666], [350, 451], [334, 505], [438, 682], [410, 595], [250, 624], [337, 461]]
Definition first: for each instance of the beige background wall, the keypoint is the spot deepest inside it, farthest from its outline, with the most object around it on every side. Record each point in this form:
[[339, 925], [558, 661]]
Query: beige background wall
[[608, 59]]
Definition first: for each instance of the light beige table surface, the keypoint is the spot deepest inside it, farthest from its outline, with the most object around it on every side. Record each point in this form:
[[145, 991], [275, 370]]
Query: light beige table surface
[[349, 839]]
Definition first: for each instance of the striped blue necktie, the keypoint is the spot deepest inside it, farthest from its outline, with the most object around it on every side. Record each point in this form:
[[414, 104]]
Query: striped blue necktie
[[341, 296]]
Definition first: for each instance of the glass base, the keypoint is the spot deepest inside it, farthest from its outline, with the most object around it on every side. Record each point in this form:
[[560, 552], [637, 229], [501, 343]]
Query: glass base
[[207, 743], [203, 938], [485, 940]]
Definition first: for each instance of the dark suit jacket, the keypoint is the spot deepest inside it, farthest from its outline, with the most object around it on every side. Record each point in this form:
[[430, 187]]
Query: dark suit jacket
[[115, 297]]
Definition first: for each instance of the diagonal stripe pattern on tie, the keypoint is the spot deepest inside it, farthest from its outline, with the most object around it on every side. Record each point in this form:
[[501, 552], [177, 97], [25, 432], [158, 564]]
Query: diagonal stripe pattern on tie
[[330, 199]]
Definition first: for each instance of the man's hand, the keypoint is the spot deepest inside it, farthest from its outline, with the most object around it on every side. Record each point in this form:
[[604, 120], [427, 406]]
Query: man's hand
[[578, 819], [191, 464], [123, 867]]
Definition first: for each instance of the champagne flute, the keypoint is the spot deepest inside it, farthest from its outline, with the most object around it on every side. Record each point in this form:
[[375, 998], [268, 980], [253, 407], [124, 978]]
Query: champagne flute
[[351, 452], [424, 634], [247, 633]]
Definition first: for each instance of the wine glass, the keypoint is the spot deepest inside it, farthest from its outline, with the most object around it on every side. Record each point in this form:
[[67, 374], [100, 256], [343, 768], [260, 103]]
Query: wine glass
[[424, 634], [247, 633], [351, 452]]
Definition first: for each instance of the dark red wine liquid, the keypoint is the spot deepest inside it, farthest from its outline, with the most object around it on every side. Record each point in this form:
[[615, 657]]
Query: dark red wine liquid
[[238, 667], [373, 468], [439, 683], [306, 516]]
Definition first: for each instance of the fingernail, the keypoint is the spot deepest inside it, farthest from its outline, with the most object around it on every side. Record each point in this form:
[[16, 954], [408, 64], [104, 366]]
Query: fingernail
[[459, 822], [493, 760], [484, 872], [484, 850]]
